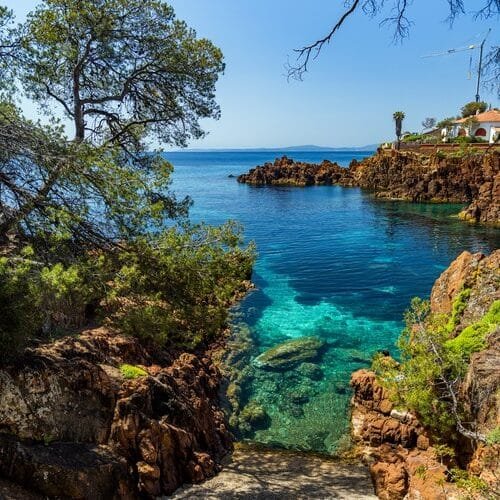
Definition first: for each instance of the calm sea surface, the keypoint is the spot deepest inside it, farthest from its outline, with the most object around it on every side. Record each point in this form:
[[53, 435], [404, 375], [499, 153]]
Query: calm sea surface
[[334, 263]]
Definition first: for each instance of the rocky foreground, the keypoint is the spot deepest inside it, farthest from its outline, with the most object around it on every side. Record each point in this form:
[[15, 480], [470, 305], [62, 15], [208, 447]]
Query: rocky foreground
[[102, 416], [254, 474], [75, 424], [472, 179], [405, 460]]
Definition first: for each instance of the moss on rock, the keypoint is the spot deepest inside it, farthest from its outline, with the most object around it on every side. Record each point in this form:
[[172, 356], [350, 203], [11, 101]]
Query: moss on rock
[[289, 354]]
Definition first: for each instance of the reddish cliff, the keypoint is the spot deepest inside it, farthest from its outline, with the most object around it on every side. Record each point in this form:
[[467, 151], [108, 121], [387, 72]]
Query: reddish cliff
[[73, 426], [472, 179], [404, 457]]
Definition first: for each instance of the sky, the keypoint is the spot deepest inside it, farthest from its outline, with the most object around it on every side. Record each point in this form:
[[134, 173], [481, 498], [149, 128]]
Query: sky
[[351, 90]]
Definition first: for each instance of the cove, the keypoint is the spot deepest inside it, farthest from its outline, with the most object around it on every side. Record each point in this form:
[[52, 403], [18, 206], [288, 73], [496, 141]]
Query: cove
[[333, 263]]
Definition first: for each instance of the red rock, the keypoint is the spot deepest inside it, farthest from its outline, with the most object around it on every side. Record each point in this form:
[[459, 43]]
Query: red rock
[[167, 427]]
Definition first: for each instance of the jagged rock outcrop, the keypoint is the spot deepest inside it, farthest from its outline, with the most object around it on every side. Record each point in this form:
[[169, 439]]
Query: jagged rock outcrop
[[394, 445], [462, 178], [72, 426], [403, 457], [285, 171]]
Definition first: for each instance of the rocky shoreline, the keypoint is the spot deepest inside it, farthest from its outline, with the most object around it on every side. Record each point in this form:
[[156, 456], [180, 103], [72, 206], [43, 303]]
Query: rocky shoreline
[[406, 460], [472, 178], [75, 424]]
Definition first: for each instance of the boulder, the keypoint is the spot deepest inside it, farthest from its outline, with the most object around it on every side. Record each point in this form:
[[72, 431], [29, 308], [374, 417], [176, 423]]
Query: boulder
[[311, 371], [290, 354]]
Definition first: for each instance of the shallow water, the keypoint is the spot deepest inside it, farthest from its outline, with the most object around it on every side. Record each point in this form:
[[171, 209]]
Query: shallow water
[[334, 263]]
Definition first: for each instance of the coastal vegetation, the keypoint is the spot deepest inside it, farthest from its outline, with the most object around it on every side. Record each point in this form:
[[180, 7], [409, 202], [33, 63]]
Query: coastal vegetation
[[434, 362], [89, 229]]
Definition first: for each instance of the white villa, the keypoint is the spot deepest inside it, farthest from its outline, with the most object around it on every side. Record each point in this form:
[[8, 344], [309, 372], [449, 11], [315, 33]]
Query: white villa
[[486, 126]]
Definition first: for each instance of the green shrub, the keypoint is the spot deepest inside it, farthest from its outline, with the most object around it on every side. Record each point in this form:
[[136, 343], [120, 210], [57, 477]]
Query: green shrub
[[19, 320], [131, 371], [458, 308], [472, 484], [473, 338], [179, 289], [413, 137], [432, 364], [494, 436]]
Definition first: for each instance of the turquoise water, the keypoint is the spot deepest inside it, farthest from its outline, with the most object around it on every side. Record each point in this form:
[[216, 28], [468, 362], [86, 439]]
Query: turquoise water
[[333, 263]]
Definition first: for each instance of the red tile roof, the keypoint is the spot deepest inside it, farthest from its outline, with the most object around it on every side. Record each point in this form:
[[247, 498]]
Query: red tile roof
[[492, 115]]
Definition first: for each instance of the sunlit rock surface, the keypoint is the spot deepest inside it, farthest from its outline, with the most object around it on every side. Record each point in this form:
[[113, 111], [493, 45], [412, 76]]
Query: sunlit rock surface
[[258, 475]]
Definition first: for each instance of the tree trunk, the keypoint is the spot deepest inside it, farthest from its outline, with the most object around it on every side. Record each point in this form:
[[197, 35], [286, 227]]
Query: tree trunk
[[78, 109]]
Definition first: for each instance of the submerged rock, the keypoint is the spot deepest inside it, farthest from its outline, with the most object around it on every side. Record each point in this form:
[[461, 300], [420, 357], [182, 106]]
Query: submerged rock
[[254, 415], [289, 354], [311, 371]]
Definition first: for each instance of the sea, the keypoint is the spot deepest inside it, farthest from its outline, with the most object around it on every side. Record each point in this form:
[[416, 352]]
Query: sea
[[334, 263]]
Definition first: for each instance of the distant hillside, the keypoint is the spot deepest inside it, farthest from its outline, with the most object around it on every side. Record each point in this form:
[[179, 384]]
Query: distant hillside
[[312, 147], [304, 148]]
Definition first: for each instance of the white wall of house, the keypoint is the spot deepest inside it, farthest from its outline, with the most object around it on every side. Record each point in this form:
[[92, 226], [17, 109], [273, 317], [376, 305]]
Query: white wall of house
[[490, 130]]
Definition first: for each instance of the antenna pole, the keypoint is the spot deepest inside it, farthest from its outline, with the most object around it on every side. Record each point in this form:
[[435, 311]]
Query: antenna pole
[[480, 66]]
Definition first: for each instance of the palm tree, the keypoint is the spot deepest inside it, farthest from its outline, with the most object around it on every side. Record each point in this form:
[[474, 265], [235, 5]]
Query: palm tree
[[399, 116]]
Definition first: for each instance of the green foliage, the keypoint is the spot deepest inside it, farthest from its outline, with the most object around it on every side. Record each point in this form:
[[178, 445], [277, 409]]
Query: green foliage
[[468, 482], [421, 471], [60, 194], [443, 451], [471, 108], [132, 372], [121, 70], [37, 299], [473, 338], [414, 137], [466, 139], [457, 308], [422, 365], [421, 138], [434, 361], [180, 287], [19, 321], [493, 437]]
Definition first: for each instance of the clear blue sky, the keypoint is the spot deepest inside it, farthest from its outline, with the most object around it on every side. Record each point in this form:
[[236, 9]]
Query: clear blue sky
[[352, 89]]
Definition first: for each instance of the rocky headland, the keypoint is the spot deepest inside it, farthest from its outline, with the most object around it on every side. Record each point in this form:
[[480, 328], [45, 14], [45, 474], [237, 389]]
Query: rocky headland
[[467, 178], [408, 460]]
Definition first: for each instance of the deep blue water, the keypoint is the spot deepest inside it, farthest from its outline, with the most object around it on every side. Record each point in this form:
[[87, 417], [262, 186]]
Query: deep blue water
[[333, 262]]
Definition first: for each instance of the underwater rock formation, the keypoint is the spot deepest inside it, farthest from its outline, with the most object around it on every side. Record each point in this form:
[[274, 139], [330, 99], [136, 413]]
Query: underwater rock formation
[[73, 426], [289, 354], [405, 458]]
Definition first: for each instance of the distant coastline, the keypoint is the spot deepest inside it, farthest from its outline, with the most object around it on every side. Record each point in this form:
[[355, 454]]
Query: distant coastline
[[305, 148]]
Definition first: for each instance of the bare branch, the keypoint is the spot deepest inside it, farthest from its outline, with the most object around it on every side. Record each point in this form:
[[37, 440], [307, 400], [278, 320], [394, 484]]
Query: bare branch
[[305, 53], [397, 18]]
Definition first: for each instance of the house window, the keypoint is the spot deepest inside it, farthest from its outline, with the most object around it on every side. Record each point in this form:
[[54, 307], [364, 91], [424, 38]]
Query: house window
[[480, 132]]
